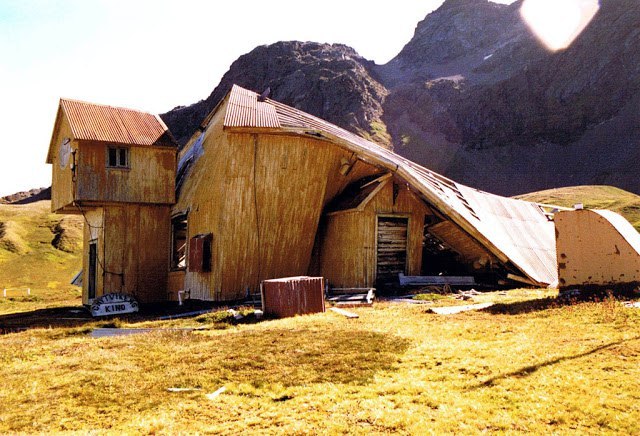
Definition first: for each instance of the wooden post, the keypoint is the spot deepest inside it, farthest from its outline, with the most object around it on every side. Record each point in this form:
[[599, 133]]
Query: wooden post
[[4, 293], [28, 291]]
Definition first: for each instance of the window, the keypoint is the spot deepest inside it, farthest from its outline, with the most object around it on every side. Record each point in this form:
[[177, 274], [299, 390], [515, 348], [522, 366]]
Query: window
[[118, 157], [179, 242]]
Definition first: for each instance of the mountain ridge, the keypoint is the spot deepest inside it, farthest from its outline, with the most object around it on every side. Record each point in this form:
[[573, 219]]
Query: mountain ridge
[[472, 95]]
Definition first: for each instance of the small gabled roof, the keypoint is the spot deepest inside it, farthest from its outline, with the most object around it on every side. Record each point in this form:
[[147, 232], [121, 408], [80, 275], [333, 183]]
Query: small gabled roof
[[515, 231], [97, 122]]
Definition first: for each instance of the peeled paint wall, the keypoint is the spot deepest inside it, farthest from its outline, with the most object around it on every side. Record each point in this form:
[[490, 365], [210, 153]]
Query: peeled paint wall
[[593, 253]]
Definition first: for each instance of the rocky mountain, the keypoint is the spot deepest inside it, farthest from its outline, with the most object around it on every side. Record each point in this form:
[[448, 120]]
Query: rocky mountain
[[26, 197], [331, 81], [473, 95]]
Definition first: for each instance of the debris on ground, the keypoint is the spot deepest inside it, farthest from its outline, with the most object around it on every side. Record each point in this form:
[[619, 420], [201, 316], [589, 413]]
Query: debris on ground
[[344, 312], [467, 295], [183, 389], [236, 315], [214, 395], [352, 297], [450, 310]]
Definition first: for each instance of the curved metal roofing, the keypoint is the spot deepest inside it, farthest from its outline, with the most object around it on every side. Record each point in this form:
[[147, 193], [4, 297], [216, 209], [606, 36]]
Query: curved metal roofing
[[515, 231]]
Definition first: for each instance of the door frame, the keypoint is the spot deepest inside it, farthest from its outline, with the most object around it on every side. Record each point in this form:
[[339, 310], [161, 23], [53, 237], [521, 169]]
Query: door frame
[[92, 270], [391, 215]]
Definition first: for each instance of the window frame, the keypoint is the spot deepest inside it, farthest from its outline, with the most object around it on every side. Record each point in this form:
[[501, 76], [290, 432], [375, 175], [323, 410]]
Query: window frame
[[119, 151], [175, 259]]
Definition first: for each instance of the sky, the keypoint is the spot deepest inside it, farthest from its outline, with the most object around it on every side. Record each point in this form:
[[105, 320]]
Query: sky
[[153, 55]]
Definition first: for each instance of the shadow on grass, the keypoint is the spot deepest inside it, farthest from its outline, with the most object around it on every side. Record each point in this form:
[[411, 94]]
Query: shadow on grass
[[529, 306], [78, 316], [300, 356], [526, 371], [547, 303]]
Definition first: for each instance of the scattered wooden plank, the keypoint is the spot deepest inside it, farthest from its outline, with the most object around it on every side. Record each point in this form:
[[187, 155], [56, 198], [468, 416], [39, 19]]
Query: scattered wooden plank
[[343, 312], [520, 279], [450, 310], [436, 280], [351, 290]]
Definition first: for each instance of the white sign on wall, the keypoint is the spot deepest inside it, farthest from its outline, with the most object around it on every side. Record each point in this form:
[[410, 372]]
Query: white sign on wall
[[113, 304]]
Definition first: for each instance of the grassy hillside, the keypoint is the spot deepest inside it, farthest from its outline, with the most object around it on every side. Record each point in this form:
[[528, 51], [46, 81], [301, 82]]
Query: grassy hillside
[[625, 203], [38, 251]]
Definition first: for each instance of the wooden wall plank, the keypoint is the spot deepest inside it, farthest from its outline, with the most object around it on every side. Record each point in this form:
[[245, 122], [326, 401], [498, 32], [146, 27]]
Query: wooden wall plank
[[150, 178]]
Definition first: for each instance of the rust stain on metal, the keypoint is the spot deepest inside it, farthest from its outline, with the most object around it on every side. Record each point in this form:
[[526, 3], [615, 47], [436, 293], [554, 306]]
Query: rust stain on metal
[[293, 296]]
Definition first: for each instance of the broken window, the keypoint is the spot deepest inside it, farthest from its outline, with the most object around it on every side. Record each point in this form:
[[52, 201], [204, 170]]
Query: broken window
[[117, 157], [179, 242]]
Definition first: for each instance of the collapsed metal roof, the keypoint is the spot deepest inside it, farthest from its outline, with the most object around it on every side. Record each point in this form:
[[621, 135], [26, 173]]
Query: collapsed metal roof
[[515, 231]]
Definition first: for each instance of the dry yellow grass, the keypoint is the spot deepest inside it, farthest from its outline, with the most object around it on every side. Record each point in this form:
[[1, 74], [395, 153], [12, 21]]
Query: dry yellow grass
[[529, 364]]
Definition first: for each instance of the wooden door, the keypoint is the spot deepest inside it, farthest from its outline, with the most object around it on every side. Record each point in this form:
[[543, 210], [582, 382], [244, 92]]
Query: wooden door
[[391, 249]]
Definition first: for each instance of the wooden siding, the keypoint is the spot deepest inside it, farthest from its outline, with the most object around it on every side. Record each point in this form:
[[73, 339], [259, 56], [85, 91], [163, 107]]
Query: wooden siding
[[149, 179], [261, 196], [348, 240], [175, 283], [62, 189], [133, 250]]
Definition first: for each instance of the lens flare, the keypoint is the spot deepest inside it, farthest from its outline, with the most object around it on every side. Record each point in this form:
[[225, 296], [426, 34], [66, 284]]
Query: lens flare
[[557, 23]]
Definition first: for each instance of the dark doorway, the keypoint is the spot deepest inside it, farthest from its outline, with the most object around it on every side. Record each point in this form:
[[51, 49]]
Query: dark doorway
[[93, 264], [391, 250]]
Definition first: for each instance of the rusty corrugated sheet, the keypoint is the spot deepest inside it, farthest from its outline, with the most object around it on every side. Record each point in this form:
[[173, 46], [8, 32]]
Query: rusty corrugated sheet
[[293, 296], [93, 122]]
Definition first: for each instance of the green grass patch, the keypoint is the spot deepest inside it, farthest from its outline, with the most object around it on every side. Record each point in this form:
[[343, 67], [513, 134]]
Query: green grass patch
[[625, 203], [431, 297]]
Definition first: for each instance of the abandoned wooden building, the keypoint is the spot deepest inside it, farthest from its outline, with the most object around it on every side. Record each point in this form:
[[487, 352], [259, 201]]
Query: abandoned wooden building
[[116, 167], [263, 190]]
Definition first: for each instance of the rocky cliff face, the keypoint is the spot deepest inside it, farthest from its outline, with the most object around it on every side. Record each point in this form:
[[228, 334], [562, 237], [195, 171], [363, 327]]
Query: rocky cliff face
[[473, 95], [330, 81]]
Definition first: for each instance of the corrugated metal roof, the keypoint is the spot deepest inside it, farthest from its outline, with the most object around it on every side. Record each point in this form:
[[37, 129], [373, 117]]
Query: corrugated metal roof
[[244, 110], [94, 122], [514, 230]]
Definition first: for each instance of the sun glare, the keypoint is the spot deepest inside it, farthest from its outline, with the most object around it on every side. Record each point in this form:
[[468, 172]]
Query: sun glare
[[557, 23]]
